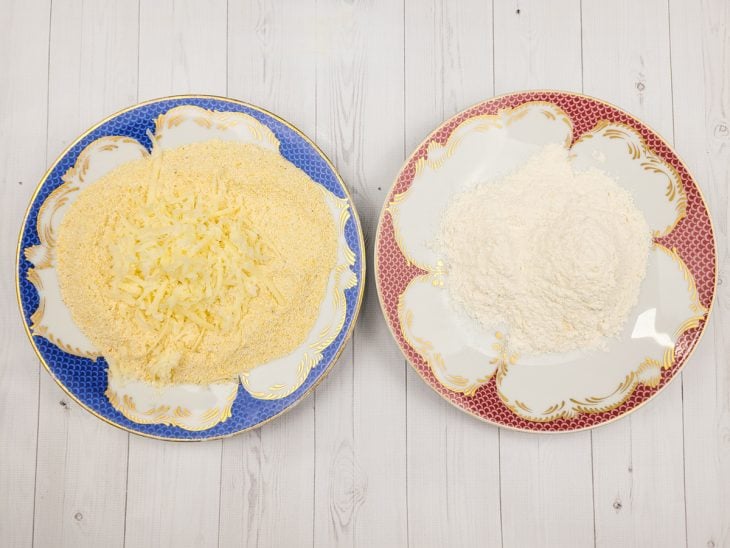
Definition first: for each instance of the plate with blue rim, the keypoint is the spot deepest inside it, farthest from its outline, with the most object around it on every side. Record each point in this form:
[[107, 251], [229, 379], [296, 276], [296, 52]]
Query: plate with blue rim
[[70, 358]]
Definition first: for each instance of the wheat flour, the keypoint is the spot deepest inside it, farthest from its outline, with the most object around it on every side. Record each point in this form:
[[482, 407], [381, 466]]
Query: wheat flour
[[553, 256]]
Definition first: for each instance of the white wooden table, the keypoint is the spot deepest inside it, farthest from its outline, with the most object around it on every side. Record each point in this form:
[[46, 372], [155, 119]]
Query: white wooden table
[[375, 458]]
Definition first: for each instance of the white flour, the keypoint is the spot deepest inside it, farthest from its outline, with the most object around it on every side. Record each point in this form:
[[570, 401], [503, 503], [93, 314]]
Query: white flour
[[555, 257]]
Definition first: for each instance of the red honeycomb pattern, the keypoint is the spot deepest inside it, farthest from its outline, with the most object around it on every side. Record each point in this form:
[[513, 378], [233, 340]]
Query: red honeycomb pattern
[[693, 239]]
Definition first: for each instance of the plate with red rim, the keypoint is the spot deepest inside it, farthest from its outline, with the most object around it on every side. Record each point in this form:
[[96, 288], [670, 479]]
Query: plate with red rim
[[474, 370]]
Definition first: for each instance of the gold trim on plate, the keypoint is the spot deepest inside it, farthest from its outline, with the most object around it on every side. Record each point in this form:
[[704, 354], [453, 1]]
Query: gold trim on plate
[[425, 348], [161, 414], [384, 210], [651, 163], [488, 121], [296, 130], [635, 377]]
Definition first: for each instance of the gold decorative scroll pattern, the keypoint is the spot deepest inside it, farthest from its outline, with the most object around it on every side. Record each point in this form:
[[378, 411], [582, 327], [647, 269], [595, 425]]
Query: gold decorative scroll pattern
[[482, 123], [648, 372], [213, 120], [329, 333], [640, 151], [41, 256], [645, 372], [164, 414]]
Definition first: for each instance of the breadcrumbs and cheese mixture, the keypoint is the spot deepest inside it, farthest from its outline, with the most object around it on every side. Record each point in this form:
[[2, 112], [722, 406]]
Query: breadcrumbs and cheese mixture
[[197, 263]]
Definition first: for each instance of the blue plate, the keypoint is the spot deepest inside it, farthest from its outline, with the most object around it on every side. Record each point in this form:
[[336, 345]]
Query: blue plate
[[85, 380]]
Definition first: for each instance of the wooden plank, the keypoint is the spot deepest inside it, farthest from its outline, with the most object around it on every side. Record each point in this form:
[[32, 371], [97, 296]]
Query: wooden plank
[[340, 485], [173, 488], [173, 494], [700, 44], [361, 414], [546, 489], [637, 461], [546, 481], [269, 473], [537, 45], [80, 494], [182, 47], [453, 460], [23, 101], [453, 474]]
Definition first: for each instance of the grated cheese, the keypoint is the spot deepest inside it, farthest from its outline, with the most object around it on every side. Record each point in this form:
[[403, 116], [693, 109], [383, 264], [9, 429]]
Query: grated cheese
[[176, 259], [197, 263]]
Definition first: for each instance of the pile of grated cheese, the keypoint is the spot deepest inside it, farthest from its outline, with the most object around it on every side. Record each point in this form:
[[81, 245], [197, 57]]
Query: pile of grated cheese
[[197, 263], [183, 251]]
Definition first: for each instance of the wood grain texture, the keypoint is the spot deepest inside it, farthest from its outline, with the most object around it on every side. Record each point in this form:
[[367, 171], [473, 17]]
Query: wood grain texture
[[173, 494], [92, 72], [23, 115], [700, 47], [375, 458], [638, 462], [271, 63], [537, 45], [547, 495], [340, 483], [182, 47], [453, 460], [360, 121]]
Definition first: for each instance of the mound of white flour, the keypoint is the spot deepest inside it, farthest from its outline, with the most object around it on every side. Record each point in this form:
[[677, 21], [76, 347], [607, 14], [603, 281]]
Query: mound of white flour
[[555, 256]]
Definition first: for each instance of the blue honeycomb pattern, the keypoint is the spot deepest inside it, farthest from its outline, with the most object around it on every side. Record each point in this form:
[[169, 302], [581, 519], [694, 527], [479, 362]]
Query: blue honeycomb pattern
[[85, 379]]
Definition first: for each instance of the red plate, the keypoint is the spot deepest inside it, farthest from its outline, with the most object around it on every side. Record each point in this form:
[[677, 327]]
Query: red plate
[[692, 238]]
